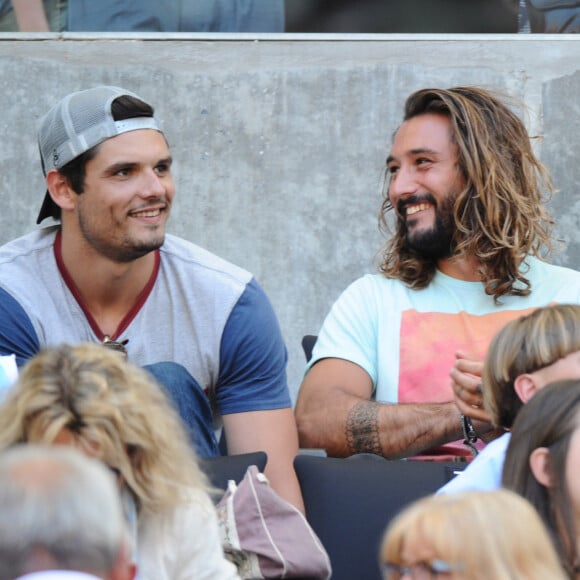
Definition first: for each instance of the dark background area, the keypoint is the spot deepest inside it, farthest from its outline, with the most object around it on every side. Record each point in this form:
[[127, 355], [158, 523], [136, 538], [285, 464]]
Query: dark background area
[[402, 16]]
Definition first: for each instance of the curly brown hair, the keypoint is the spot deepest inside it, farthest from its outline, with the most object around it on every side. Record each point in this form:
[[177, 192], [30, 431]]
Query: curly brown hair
[[500, 215]]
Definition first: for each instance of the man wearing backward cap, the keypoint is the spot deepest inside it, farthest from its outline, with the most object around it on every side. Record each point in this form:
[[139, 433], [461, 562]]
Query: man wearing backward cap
[[109, 273]]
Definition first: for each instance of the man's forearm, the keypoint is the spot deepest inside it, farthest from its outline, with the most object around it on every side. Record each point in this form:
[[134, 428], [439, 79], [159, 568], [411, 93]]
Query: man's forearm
[[344, 420], [402, 430], [362, 431]]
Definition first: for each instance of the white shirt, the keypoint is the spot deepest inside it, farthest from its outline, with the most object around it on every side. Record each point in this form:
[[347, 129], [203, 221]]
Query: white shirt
[[58, 575], [484, 472]]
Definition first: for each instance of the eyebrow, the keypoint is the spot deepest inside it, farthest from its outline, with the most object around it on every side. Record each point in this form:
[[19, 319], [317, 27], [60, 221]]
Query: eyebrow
[[112, 169], [418, 151]]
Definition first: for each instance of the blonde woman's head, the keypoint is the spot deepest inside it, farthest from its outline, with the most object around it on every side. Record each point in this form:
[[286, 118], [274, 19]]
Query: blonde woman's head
[[476, 535], [88, 396]]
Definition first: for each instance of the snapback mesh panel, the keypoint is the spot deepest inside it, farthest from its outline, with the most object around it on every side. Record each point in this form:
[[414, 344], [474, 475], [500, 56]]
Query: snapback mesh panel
[[54, 135], [87, 112]]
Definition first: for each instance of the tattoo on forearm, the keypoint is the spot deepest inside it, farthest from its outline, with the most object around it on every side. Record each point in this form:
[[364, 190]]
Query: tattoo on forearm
[[362, 428]]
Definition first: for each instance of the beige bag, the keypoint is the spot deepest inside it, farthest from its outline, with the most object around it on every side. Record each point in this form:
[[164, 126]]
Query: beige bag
[[266, 536]]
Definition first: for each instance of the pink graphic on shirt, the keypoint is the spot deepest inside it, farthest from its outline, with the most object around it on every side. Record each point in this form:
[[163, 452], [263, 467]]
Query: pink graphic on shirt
[[429, 341]]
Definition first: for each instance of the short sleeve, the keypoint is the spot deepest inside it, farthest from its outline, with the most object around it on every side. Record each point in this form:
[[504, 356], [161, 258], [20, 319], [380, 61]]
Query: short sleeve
[[17, 334], [349, 331], [253, 357]]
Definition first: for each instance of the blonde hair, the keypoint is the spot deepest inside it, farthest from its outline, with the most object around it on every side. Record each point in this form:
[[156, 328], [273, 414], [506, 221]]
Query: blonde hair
[[500, 216], [526, 345], [114, 410], [490, 534]]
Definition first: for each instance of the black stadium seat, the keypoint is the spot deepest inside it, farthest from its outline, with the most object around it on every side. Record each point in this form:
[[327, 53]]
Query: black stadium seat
[[349, 503]]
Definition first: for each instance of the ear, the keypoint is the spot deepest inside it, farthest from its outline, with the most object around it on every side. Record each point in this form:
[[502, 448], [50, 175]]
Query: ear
[[539, 465], [124, 567], [59, 189], [526, 387]]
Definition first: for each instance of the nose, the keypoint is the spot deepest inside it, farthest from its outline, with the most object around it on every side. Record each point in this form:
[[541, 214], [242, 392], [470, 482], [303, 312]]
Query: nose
[[152, 184], [402, 183]]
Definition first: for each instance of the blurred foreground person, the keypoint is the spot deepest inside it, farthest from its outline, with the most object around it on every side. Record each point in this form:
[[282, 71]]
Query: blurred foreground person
[[475, 535], [87, 396], [542, 464], [61, 517]]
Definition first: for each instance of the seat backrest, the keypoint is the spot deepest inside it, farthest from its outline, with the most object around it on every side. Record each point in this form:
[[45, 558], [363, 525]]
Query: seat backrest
[[349, 503], [222, 468], [308, 341]]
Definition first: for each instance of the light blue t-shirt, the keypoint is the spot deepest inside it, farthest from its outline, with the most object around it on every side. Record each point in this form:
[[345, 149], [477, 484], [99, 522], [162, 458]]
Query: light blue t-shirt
[[406, 339]]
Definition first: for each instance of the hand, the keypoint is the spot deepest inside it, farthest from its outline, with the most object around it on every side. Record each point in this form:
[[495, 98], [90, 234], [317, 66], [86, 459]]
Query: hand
[[466, 383]]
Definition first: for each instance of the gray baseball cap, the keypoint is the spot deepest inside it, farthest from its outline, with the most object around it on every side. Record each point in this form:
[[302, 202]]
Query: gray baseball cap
[[79, 122]]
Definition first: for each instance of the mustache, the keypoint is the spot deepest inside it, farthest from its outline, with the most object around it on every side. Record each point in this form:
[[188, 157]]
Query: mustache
[[414, 199]]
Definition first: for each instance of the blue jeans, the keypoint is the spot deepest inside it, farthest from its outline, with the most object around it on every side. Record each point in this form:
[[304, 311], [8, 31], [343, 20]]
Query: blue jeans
[[191, 403]]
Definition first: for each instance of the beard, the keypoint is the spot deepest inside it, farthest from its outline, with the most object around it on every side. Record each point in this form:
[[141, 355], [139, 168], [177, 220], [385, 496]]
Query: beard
[[435, 243], [119, 247]]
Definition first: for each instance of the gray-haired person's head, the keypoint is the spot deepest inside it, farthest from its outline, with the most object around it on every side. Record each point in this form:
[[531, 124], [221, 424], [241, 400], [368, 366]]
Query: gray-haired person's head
[[59, 510]]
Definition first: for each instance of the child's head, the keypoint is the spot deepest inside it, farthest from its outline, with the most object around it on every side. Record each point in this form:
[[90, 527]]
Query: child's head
[[526, 354]]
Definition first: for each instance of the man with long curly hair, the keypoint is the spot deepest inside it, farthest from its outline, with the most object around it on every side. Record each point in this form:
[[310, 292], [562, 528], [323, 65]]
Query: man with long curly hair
[[466, 256]]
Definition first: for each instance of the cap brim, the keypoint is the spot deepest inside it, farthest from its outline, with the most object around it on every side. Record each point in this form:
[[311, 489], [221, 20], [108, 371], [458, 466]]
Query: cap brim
[[48, 209]]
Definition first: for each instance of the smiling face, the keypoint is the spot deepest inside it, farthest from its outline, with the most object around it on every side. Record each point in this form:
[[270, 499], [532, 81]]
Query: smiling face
[[127, 195], [424, 183]]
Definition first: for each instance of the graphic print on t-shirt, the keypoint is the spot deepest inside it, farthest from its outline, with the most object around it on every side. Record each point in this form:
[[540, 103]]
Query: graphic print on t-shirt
[[429, 341]]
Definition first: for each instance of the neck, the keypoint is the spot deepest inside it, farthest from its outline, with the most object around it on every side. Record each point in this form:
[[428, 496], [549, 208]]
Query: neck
[[461, 267], [108, 289]]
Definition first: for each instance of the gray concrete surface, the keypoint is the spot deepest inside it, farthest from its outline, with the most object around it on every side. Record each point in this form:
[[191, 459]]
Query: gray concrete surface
[[280, 141]]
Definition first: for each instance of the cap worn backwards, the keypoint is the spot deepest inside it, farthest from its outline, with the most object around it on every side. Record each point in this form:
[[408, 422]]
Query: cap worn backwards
[[79, 122]]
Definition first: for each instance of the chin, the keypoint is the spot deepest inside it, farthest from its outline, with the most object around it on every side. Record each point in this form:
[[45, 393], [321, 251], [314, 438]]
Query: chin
[[138, 249], [152, 239], [430, 245]]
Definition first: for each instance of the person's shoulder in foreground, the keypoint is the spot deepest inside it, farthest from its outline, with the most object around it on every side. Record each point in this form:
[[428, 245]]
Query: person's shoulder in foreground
[[484, 472], [470, 229]]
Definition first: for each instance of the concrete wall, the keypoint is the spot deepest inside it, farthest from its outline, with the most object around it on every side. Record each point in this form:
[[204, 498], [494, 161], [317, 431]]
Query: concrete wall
[[280, 141]]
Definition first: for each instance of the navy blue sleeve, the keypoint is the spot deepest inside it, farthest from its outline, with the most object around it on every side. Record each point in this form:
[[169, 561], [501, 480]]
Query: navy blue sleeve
[[17, 335], [253, 357]]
